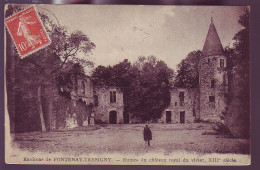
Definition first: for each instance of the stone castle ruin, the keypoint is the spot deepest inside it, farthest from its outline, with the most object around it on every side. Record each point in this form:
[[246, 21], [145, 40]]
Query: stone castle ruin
[[208, 101], [87, 105], [205, 103]]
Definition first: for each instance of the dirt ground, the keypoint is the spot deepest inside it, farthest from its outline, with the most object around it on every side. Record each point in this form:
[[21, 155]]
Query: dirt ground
[[128, 138]]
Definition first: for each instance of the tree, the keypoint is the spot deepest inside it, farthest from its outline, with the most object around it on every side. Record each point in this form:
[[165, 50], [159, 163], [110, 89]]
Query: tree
[[151, 92], [30, 75], [238, 114], [145, 85], [188, 71], [102, 76]]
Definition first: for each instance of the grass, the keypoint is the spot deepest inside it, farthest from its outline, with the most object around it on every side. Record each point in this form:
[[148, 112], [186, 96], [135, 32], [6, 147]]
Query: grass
[[128, 138]]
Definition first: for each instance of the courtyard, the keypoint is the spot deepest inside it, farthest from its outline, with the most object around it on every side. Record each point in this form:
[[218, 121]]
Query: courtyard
[[128, 138]]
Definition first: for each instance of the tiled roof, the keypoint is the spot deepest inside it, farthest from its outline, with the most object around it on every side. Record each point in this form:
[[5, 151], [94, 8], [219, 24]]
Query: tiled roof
[[212, 44]]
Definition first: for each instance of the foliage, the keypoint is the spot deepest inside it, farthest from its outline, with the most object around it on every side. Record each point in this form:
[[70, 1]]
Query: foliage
[[238, 114], [117, 75], [40, 69], [222, 129], [188, 71], [145, 85]]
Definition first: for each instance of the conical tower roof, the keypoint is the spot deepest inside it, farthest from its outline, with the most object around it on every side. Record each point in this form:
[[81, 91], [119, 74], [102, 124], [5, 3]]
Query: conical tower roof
[[212, 44]]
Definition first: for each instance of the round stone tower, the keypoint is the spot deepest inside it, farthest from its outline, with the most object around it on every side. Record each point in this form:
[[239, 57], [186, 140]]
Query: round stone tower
[[212, 78]]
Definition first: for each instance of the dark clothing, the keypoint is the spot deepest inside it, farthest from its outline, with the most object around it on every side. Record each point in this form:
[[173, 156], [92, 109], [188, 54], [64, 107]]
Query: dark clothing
[[147, 134], [148, 142]]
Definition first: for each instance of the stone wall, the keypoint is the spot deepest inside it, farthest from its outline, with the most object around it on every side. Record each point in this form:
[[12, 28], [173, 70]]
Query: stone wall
[[210, 70], [190, 106], [69, 108], [83, 88], [80, 110], [68, 113], [104, 106]]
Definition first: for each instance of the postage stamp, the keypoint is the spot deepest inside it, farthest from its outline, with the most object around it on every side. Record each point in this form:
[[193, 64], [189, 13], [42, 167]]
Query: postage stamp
[[27, 31]]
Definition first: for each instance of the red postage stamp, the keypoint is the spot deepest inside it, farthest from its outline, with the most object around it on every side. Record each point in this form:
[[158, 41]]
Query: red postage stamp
[[27, 31]]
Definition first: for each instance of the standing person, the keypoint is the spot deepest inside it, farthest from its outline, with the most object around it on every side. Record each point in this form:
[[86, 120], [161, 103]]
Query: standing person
[[23, 30], [147, 135]]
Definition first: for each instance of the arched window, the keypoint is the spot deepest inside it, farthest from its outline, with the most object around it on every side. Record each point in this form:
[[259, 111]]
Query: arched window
[[83, 87], [95, 100]]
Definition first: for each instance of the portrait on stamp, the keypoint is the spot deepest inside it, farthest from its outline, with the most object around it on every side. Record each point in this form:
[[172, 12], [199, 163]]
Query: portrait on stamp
[[127, 85]]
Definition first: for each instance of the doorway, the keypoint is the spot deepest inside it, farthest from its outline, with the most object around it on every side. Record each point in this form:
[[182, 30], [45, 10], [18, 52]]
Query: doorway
[[112, 117], [168, 116], [182, 117]]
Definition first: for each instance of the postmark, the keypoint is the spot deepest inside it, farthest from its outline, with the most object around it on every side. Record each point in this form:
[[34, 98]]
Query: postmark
[[27, 31]]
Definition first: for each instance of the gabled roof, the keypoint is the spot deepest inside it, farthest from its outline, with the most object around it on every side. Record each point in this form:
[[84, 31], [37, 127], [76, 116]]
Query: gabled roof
[[212, 45]]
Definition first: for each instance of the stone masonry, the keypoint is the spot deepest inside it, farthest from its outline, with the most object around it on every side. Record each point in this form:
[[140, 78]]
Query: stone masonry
[[182, 109], [205, 103], [208, 102], [213, 77], [109, 105]]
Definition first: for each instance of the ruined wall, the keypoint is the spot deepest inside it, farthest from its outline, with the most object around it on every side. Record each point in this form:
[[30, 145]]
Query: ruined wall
[[68, 113], [83, 87], [190, 105], [210, 70], [68, 109], [78, 108], [104, 106]]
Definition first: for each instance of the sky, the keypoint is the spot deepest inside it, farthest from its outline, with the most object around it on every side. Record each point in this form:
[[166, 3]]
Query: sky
[[127, 32]]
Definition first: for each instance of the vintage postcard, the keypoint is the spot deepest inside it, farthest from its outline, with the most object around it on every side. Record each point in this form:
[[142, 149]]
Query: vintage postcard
[[127, 85]]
